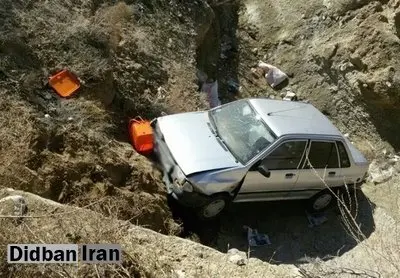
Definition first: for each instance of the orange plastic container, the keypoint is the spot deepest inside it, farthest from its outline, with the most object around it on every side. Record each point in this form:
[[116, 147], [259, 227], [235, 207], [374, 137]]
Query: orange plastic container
[[141, 135], [64, 83]]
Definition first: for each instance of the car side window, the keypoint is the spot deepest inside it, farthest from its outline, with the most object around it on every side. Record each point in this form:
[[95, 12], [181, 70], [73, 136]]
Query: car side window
[[322, 155], [286, 156], [344, 158]]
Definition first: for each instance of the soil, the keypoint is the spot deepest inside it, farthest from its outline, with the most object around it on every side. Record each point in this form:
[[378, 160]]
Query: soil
[[140, 58], [129, 63]]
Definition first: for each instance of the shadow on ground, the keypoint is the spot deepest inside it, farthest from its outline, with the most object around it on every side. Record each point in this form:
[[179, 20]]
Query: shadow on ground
[[286, 224]]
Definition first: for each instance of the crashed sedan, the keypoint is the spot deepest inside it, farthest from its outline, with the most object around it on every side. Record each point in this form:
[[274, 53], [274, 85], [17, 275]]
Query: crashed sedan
[[254, 150]]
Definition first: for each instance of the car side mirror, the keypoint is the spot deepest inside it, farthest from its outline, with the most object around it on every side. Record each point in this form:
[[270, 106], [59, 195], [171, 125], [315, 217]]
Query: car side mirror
[[264, 170]]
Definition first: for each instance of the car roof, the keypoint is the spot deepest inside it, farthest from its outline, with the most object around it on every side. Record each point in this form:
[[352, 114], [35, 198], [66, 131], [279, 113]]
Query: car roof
[[292, 117]]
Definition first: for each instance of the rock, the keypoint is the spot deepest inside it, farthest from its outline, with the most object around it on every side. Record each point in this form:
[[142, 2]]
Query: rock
[[47, 96], [161, 93], [255, 72], [121, 43], [333, 89], [237, 259], [383, 18], [394, 160], [46, 115], [357, 62], [380, 172], [345, 66], [170, 43], [180, 273], [290, 96], [137, 66], [13, 206], [234, 251]]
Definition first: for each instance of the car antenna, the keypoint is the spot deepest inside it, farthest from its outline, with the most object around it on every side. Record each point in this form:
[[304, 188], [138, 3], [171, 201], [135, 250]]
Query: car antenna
[[279, 111]]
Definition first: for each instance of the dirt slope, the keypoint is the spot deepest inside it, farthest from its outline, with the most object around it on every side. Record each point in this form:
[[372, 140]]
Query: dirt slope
[[146, 253], [140, 58], [129, 62], [342, 55]]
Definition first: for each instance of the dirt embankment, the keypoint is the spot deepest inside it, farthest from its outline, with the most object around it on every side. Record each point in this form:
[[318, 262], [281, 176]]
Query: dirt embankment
[[133, 58], [140, 58], [341, 55], [146, 253]]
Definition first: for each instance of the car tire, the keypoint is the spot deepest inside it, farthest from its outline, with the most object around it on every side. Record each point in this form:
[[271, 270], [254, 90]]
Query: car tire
[[321, 201], [214, 207]]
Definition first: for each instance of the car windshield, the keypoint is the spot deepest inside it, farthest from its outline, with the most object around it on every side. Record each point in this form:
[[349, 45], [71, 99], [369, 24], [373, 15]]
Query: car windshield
[[241, 129]]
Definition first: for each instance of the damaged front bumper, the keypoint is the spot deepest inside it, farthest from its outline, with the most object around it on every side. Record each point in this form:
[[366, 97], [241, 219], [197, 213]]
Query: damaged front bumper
[[191, 199], [184, 193]]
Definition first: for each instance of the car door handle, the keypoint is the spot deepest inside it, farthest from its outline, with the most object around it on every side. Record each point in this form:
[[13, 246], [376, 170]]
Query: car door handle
[[332, 173], [290, 175]]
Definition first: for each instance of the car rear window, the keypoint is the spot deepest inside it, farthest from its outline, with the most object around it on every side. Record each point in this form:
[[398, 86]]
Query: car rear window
[[344, 158], [322, 155]]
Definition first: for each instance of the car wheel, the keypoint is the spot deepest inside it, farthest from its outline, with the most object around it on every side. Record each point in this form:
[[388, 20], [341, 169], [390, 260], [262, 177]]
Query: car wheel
[[213, 207], [320, 202]]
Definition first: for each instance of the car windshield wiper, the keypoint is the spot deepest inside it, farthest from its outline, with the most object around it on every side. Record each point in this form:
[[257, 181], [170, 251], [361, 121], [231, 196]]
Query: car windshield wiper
[[215, 131], [213, 126]]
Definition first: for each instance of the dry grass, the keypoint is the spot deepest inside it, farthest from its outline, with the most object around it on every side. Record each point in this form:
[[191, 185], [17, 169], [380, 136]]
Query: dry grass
[[16, 134], [377, 256], [59, 156], [112, 20], [16, 130], [145, 253], [72, 228]]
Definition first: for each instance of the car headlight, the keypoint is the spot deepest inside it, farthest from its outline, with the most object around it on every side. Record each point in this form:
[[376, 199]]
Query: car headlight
[[180, 177], [181, 182], [187, 187], [183, 185]]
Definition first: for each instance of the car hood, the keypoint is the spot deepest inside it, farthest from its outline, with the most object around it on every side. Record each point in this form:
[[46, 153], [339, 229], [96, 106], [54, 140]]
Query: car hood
[[192, 144]]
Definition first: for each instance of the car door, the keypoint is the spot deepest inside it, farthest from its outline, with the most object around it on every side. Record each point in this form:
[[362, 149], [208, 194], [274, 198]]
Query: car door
[[272, 177], [321, 165], [345, 165]]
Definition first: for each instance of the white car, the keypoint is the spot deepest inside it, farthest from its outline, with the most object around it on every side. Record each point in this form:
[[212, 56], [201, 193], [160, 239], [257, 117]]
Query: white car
[[254, 150]]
